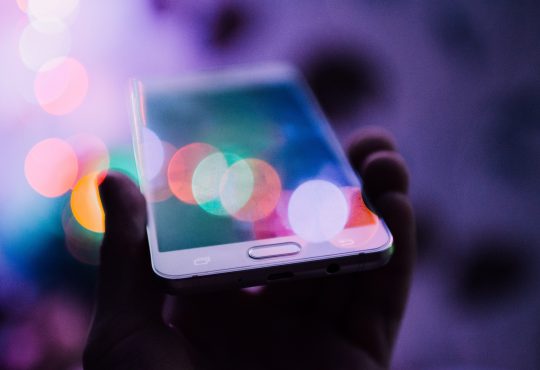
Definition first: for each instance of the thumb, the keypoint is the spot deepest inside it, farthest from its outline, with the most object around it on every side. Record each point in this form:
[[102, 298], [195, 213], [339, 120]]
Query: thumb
[[128, 294]]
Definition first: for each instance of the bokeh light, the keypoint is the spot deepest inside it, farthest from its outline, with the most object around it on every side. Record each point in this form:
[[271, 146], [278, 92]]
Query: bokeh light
[[182, 166], [37, 47], [277, 222], [360, 215], [153, 154], [86, 203], [236, 186], [61, 86], [255, 192], [48, 27], [122, 160], [92, 153], [51, 167], [318, 211], [23, 5], [158, 188], [206, 182], [51, 10]]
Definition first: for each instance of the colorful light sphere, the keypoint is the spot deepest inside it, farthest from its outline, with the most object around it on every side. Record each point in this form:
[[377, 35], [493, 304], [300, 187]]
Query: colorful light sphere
[[86, 203], [23, 5], [92, 153], [61, 86], [51, 167], [51, 10], [36, 47], [236, 186], [152, 153], [158, 188], [360, 215], [182, 167], [318, 211], [276, 224], [251, 189], [206, 181]]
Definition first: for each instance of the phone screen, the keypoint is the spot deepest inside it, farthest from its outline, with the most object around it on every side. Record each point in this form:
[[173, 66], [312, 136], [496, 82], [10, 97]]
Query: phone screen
[[244, 162]]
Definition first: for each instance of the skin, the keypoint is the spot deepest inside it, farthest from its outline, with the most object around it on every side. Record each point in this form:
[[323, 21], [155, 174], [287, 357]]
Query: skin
[[340, 322]]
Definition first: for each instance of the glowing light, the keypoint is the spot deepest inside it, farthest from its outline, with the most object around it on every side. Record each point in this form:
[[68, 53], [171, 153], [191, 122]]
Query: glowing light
[[276, 223], [49, 26], [92, 153], [86, 203], [61, 86], [158, 187], [23, 5], [122, 160], [360, 215], [36, 47], [206, 182], [51, 167], [318, 211], [236, 186], [182, 166], [47, 10], [153, 154], [255, 192]]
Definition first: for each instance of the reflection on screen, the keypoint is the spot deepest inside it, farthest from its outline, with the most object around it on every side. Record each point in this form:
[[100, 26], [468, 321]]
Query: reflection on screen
[[243, 163]]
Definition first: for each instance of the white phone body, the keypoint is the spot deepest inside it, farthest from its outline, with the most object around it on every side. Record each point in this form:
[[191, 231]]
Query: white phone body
[[188, 257]]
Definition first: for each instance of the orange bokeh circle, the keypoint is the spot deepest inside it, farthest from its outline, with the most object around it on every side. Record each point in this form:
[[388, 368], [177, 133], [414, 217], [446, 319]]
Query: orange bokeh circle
[[86, 203], [182, 166], [359, 214], [266, 192]]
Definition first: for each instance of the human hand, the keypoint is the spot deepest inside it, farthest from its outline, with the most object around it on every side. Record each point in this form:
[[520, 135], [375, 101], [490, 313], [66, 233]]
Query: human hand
[[341, 322]]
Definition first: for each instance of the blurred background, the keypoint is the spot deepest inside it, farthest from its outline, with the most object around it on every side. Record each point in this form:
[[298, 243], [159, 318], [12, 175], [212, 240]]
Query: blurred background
[[456, 81]]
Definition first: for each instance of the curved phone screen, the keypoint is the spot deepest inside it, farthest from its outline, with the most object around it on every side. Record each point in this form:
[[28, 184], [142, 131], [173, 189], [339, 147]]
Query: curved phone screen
[[228, 164]]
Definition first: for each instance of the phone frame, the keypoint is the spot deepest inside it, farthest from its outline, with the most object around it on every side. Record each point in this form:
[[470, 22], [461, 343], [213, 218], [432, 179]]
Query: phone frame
[[329, 259]]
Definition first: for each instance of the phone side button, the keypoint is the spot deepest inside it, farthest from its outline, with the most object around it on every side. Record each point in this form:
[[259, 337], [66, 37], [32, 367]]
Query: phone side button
[[274, 250]]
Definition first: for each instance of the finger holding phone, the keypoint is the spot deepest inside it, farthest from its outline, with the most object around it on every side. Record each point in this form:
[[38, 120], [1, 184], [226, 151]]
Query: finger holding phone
[[345, 321]]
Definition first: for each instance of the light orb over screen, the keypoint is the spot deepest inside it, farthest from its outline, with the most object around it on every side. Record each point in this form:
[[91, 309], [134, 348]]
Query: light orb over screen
[[158, 187], [153, 153], [360, 215], [277, 222], [51, 167], [206, 181], [256, 191], [236, 186], [318, 211], [61, 86], [86, 203], [182, 166]]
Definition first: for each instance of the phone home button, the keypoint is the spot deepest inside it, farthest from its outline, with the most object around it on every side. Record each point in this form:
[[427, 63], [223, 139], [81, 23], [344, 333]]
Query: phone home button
[[274, 250]]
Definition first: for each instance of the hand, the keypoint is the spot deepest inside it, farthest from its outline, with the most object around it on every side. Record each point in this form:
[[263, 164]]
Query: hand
[[340, 322]]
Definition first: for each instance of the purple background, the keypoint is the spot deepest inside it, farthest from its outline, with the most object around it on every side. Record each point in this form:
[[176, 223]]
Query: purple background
[[457, 82]]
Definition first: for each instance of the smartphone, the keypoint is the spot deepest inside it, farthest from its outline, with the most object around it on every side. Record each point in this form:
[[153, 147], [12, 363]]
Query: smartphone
[[246, 183]]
